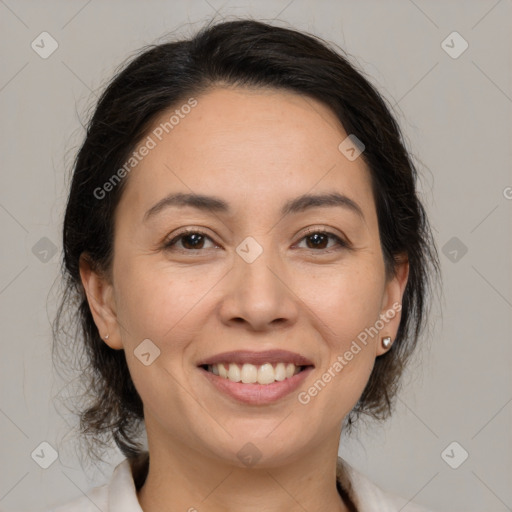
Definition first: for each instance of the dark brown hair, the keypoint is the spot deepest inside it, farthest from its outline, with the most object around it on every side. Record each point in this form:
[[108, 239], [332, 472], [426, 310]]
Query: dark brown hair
[[236, 53]]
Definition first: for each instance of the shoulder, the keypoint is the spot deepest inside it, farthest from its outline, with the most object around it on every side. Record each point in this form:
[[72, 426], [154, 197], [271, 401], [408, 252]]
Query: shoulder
[[118, 495], [368, 496], [96, 499]]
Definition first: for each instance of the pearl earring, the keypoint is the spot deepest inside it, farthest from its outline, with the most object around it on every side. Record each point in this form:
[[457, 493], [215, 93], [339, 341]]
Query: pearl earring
[[106, 337], [386, 341]]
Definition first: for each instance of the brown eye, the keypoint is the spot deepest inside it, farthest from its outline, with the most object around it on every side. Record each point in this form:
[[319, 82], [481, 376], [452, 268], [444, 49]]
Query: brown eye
[[319, 240], [189, 240]]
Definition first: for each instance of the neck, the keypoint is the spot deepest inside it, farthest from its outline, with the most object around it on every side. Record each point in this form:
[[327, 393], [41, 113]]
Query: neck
[[183, 479]]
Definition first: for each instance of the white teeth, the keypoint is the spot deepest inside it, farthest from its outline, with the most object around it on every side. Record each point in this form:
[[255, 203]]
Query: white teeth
[[266, 374], [221, 369], [280, 372], [252, 374], [234, 373], [249, 374]]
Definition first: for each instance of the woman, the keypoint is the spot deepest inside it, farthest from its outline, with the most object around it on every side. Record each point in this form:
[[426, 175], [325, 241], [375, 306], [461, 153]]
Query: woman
[[251, 262]]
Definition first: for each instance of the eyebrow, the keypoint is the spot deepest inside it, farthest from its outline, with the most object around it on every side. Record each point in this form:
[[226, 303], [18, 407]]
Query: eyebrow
[[216, 204]]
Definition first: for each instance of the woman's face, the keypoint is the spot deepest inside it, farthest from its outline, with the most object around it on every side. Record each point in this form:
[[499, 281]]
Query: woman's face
[[257, 276]]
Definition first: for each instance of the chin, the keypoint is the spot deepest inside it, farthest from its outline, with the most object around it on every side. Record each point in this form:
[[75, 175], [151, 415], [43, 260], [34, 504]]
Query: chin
[[260, 448]]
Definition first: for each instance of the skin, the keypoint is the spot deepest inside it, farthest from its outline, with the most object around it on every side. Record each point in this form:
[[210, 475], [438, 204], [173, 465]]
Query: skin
[[255, 149]]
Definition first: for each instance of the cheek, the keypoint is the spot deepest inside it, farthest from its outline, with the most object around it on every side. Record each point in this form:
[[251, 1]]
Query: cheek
[[168, 307], [156, 301], [346, 301], [165, 307], [349, 306]]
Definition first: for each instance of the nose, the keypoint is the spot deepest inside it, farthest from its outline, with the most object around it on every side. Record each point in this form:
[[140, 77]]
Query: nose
[[259, 295]]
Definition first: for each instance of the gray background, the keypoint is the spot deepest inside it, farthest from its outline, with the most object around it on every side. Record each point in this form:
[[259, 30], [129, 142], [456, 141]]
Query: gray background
[[456, 114]]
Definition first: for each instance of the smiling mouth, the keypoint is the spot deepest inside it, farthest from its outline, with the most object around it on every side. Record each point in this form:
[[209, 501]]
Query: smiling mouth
[[247, 373]]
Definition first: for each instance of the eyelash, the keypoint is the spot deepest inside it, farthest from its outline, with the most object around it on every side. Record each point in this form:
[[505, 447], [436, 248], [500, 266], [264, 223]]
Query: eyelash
[[342, 244]]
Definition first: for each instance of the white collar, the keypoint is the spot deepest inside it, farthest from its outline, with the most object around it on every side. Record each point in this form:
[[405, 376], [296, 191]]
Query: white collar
[[120, 494]]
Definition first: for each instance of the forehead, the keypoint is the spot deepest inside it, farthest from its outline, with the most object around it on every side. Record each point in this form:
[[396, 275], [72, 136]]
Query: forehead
[[245, 144]]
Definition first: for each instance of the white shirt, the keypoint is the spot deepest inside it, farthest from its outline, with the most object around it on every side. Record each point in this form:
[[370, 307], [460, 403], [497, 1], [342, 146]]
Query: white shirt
[[120, 494]]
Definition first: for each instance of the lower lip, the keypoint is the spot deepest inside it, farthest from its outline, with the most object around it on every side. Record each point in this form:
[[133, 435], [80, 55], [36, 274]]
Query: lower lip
[[257, 394]]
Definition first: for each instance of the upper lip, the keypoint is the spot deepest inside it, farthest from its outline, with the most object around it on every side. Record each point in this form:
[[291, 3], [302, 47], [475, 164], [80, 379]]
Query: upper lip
[[257, 358]]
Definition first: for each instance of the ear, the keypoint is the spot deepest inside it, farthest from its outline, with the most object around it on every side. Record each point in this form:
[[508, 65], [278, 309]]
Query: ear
[[392, 303], [99, 292]]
